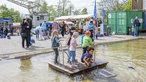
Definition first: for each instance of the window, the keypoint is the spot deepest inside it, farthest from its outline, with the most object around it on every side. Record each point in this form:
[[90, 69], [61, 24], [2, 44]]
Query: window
[[38, 18], [41, 17]]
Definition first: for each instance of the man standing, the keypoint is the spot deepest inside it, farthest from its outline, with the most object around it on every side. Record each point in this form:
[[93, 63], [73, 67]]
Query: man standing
[[62, 28], [136, 25], [44, 27], [29, 21]]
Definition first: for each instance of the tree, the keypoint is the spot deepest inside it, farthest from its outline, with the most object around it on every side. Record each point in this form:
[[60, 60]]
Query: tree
[[64, 4], [128, 5], [84, 11], [4, 11], [64, 7], [52, 12], [10, 13], [113, 4], [77, 12], [44, 8], [70, 8], [41, 2]]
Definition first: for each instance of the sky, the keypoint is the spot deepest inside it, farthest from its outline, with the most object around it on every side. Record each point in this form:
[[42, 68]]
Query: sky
[[78, 4]]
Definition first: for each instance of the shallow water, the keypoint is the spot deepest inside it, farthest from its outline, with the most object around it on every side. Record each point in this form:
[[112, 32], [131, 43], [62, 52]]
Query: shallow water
[[127, 60]]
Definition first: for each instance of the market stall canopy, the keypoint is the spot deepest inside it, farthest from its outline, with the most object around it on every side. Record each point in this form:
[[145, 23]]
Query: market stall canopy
[[82, 16], [63, 18], [76, 17]]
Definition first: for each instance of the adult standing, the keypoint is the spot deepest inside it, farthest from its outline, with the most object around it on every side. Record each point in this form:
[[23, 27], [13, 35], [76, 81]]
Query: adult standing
[[91, 29], [62, 28], [85, 27], [25, 33], [29, 21], [5, 31], [136, 25], [55, 26], [44, 28]]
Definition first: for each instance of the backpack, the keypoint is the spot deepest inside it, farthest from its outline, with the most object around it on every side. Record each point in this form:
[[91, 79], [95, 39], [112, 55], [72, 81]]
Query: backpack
[[54, 43]]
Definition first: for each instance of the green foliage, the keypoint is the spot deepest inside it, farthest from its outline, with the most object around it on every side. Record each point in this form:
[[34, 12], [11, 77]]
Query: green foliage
[[52, 12], [84, 11], [113, 4], [76, 12], [9, 13], [63, 5], [44, 8], [128, 5]]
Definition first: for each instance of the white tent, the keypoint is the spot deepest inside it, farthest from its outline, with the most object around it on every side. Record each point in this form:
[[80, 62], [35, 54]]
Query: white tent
[[82, 16], [63, 18], [75, 17]]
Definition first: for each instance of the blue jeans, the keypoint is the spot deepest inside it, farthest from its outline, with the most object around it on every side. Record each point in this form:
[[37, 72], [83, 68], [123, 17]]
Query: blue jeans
[[132, 33], [44, 32], [73, 55], [136, 31], [69, 56], [37, 35]]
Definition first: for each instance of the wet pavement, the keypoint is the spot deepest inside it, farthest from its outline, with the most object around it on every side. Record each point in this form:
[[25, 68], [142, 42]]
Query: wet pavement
[[12, 47]]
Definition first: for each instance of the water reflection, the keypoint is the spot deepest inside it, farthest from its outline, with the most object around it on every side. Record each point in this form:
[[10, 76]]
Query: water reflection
[[126, 59], [124, 56], [25, 65]]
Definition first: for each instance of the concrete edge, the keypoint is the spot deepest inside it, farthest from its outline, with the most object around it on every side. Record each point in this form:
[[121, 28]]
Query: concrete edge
[[49, 50]]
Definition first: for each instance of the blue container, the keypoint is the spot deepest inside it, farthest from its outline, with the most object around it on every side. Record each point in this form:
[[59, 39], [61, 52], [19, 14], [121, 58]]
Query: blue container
[[144, 20]]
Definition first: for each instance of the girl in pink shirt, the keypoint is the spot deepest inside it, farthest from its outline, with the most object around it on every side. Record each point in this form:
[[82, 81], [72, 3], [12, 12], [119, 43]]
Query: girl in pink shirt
[[73, 45]]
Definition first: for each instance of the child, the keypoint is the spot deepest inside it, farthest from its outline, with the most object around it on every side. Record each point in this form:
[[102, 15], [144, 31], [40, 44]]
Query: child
[[132, 29], [72, 30], [87, 41], [40, 34], [87, 57], [55, 44], [73, 45]]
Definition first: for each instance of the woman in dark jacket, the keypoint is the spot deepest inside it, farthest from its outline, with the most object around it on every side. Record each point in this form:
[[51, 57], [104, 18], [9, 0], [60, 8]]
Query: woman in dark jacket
[[63, 29], [25, 33]]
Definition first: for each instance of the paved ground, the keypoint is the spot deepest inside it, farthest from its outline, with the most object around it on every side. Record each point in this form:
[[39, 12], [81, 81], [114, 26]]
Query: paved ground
[[13, 46]]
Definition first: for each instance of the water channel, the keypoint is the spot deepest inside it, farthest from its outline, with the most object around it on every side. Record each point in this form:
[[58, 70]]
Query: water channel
[[126, 59]]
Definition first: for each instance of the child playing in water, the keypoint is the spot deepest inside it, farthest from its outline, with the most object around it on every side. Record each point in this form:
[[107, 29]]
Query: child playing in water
[[87, 57]]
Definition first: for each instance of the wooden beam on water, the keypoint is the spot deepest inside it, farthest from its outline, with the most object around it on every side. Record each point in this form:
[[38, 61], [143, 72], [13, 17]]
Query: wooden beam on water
[[79, 69]]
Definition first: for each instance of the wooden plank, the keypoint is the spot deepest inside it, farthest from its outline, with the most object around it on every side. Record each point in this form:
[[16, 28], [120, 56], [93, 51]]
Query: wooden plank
[[77, 70]]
